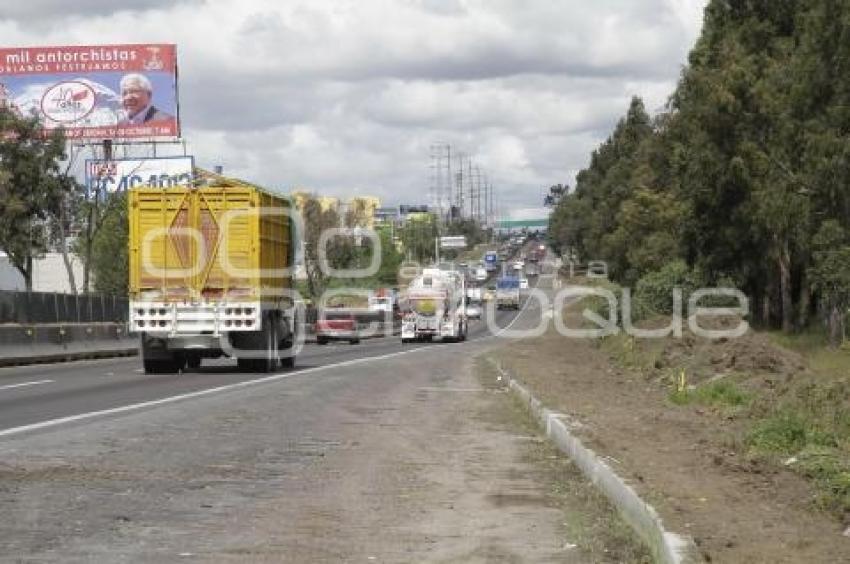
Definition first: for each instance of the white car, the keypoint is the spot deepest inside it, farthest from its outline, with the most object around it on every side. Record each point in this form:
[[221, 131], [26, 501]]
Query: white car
[[473, 311], [523, 283]]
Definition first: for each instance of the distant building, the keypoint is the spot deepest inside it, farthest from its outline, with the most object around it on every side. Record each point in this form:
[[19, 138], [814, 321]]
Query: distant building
[[328, 203], [361, 211], [300, 197], [406, 209], [387, 215], [49, 274]]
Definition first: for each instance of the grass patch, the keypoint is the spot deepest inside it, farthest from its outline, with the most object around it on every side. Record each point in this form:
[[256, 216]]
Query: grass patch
[[812, 445], [830, 470], [813, 345], [788, 432], [721, 393]]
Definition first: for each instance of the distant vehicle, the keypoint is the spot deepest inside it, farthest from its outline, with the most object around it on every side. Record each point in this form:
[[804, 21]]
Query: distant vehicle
[[518, 266], [491, 261], [597, 269], [337, 325], [523, 283], [474, 294], [480, 274], [532, 270], [489, 293], [437, 298], [507, 293], [382, 300], [473, 311]]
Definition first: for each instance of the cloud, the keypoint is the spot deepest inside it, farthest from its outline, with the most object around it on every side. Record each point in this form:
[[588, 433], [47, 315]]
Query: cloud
[[41, 11], [347, 96]]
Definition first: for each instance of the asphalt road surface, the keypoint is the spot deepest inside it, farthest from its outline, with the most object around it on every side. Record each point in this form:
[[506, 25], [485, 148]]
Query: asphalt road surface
[[379, 452], [35, 394]]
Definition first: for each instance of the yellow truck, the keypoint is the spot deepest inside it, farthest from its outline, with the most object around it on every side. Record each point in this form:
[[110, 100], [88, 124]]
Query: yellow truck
[[211, 270]]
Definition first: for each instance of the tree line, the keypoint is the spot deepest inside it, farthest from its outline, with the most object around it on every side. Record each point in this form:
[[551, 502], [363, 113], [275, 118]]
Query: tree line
[[744, 178], [43, 208]]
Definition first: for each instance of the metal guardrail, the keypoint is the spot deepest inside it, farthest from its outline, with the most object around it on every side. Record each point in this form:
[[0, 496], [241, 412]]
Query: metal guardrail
[[44, 307]]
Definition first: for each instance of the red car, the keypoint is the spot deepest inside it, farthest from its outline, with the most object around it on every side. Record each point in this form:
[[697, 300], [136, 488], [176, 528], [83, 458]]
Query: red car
[[337, 326]]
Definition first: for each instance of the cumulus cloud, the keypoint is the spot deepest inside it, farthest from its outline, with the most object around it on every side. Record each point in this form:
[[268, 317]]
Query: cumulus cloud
[[347, 96]]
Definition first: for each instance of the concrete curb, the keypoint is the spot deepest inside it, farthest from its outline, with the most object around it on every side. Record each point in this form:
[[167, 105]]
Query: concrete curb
[[666, 547]]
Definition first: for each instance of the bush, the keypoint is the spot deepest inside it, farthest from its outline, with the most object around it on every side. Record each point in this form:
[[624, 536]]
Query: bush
[[654, 291]]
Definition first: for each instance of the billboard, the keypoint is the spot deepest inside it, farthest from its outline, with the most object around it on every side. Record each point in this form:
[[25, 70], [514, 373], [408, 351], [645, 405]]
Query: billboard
[[120, 174], [95, 92], [453, 242]]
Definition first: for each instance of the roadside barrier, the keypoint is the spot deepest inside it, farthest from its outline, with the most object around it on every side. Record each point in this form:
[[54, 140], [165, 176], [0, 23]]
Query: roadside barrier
[[58, 342]]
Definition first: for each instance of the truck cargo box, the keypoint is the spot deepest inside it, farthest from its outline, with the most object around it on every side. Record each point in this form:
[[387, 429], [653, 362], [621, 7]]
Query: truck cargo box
[[209, 242]]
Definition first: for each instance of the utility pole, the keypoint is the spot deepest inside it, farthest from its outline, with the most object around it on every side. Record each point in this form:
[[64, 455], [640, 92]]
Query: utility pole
[[492, 211], [471, 189], [459, 184], [436, 188], [441, 180], [486, 217], [478, 194], [449, 180]]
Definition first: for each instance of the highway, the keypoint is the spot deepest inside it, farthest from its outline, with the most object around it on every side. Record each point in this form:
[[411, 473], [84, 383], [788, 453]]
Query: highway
[[374, 452], [34, 394]]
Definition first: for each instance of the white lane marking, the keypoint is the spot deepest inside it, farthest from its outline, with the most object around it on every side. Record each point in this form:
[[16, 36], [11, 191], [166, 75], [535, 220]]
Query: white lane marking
[[25, 384], [163, 401]]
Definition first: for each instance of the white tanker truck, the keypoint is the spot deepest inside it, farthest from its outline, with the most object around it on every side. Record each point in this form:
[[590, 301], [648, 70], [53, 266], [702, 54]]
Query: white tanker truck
[[437, 301]]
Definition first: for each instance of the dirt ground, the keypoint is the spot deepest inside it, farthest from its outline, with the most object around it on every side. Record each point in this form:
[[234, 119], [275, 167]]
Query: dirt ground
[[683, 459]]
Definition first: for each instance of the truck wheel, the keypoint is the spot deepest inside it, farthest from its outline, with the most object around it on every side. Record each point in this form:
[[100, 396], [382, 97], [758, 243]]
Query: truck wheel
[[286, 355], [194, 361], [354, 341], [270, 361], [321, 341], [263, 348], [288, 360]]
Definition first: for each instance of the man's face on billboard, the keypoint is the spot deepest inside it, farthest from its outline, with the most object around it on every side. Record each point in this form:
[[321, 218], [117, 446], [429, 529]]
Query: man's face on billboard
[[134, 98]]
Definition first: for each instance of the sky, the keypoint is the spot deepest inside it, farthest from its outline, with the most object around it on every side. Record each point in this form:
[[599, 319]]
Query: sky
[[348, 97]]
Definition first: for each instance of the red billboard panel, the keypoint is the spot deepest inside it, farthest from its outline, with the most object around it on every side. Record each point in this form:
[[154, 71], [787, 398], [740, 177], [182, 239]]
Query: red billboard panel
[[95, 92]]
